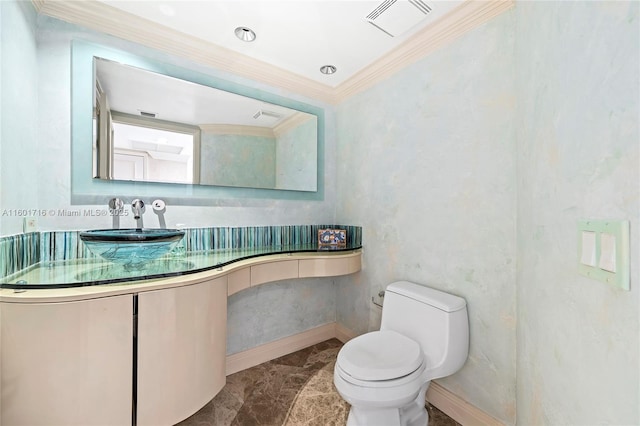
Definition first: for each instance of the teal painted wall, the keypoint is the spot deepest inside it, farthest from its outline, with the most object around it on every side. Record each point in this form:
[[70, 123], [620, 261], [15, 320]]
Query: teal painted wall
[[238, 160], [578, 85], [295, 156], [427, 167], [19, 114]]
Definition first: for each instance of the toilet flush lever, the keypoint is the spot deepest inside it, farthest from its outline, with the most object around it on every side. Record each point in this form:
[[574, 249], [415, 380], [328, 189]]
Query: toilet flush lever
[[380, 295]]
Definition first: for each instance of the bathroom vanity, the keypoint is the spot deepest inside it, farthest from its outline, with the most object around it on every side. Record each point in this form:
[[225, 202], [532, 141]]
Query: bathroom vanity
[[132, 350]]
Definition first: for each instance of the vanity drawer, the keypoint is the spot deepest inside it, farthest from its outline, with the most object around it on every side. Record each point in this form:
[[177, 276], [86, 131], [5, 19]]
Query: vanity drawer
[[328, 267], [274, 271]]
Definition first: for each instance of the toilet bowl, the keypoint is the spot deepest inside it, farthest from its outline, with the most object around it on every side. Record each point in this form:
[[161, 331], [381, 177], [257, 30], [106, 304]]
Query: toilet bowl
[[385, 374]]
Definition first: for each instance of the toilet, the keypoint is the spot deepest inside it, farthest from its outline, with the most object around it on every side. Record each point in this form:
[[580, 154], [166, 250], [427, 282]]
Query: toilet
[[384, 375]]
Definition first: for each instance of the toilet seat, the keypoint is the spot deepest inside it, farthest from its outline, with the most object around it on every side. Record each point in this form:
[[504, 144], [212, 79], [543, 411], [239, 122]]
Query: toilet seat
[[381, 369], [380, 359], [392, 383]]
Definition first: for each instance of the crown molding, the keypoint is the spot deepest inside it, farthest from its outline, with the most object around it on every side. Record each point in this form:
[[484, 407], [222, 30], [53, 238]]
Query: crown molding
[[293, 121], [109, 20], [37, 4], [237, 129], [106, 19]]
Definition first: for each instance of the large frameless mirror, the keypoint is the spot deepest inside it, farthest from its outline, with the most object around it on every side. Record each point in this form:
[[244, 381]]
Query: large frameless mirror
[[150, 127]]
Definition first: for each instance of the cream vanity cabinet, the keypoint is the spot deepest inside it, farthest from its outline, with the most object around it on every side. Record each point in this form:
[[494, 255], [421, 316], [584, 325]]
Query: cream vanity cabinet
[[73, 363], [96, 355]]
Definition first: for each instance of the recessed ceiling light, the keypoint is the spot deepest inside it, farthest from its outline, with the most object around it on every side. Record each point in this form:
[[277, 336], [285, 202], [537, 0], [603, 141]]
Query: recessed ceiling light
[[245, 34], [328, 69]]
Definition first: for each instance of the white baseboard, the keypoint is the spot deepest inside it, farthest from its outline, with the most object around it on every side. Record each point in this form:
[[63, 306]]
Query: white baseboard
[[446, 401], [267, 352], [457, 408]]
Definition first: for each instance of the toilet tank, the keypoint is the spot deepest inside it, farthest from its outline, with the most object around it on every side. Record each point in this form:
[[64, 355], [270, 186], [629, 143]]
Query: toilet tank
[[437, 320]]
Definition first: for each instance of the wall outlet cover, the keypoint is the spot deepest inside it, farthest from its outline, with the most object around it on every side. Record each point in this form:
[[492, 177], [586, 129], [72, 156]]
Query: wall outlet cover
[[29, 224]]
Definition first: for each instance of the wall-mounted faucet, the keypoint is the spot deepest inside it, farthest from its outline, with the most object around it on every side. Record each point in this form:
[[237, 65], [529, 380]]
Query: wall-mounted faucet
[[116, 208], [137, 207]]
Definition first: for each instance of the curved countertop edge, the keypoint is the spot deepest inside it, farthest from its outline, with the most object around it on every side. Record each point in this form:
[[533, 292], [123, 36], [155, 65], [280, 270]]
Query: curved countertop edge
[[70, 294]]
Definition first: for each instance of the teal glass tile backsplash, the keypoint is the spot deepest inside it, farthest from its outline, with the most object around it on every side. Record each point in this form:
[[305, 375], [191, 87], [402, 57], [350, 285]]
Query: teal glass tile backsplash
[[259, 236], [18, 252], [65, 245]]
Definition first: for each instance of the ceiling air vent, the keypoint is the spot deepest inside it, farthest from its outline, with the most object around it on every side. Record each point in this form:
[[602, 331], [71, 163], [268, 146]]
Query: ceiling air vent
[[269, 114], [395, 17], [147, 114]]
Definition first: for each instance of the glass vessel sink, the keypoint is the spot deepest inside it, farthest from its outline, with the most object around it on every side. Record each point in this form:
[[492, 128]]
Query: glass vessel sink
[[131, 247]]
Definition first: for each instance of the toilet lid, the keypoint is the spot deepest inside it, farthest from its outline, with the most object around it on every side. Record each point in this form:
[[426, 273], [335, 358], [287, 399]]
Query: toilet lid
[[380, 355]]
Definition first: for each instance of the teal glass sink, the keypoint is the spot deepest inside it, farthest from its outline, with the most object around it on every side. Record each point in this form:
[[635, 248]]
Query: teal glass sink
[[131, 247]]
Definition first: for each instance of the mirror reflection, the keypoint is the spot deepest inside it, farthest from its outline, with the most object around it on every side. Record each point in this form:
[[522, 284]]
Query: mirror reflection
[[155, 128]]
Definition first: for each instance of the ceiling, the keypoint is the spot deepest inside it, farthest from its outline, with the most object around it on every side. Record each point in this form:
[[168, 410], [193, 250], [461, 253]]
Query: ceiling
[[298, 36], [294, 37]]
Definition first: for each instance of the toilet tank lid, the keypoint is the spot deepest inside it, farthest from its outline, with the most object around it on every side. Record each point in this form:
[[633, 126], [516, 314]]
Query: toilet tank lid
[[436, 298]]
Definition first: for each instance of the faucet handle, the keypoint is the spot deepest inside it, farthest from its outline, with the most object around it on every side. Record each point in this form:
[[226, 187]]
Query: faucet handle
[[116, 205], [116, 208], [137, 203], [159, 206]]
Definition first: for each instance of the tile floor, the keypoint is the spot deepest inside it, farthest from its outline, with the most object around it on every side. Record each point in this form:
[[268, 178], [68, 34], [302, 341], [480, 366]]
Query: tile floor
[[293, 390]]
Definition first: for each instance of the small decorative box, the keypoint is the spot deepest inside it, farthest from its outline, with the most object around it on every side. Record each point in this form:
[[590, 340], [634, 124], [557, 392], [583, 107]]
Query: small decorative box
[[332, 237]]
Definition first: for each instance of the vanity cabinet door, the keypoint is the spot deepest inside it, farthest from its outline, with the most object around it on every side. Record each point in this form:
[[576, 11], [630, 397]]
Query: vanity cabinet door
[[181, 350], [67, 363]]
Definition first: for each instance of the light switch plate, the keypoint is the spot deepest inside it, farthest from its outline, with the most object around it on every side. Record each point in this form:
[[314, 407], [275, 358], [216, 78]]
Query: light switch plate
[[610, 261]]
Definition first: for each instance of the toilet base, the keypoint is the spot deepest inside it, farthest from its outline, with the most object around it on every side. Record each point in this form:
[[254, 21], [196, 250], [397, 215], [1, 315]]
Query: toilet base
[[412, 414]]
